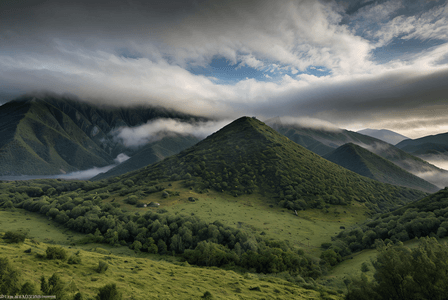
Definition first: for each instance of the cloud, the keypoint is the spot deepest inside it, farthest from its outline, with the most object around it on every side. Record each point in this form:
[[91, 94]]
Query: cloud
[[432, 24], [79, 175], [160, 128], [132, 52], [307, 122], [438, 161], [437, 178], [85, 174], [121, 158]]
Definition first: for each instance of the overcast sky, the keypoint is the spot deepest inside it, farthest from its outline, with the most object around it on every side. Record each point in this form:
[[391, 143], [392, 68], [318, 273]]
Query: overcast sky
[[356, 64]]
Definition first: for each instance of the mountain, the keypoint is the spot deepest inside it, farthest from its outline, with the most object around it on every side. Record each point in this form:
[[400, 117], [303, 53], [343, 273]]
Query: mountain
[[324, 140], [48, 134], [432, 147], [248, 156], [366, 163], [385, 135], [151, 153]]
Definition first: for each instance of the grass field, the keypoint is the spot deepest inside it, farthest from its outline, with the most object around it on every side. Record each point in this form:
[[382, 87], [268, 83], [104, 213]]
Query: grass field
[[259, 214], [145, 278]]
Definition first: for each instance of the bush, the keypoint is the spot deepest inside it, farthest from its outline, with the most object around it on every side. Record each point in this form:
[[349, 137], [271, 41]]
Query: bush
[[102, 266], [365, 267], [109, 292], [56, 253], [207, 295], [74, 260], [15, 236]]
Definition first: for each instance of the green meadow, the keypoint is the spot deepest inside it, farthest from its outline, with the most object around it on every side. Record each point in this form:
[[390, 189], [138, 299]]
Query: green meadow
[[138, 276]]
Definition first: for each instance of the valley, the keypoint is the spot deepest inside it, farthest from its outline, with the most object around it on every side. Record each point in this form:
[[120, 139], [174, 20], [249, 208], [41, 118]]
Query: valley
[[245, 213]]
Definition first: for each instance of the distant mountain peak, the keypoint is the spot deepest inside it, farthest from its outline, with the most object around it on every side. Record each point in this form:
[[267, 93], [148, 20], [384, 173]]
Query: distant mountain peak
[[366, 163], [385, 135]]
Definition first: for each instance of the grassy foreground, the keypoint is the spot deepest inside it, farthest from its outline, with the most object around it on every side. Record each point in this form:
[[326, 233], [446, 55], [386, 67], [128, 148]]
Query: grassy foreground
[[138, 276], [143, 278]]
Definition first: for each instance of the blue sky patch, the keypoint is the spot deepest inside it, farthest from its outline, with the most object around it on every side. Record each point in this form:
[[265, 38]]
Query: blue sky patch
[[402, 49]]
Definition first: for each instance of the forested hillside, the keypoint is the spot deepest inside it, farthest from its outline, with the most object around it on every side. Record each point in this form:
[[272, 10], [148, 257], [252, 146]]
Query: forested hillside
[[46, 134]]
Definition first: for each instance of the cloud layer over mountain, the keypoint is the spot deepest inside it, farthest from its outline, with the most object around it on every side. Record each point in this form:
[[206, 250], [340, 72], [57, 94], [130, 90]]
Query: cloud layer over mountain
[[376, 64]]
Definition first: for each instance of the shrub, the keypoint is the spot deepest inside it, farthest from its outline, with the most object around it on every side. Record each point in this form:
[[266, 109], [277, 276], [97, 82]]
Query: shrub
[[15, 236], [102, 267], [74, 260], [109, 292], [365, 267], [56, 253], [207, 295]]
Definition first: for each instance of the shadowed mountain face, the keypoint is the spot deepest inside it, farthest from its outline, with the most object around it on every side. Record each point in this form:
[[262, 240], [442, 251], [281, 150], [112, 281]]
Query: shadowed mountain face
[[323, 141], [385, 135], [53, 135], [151, 153], [248, 156], [366, 163], [433, 148]]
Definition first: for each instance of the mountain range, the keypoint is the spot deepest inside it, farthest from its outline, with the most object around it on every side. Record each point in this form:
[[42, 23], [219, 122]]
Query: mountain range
[[366, 163], [432, 147], [324, 140], [248, 156], [47, 134], [385, 135]]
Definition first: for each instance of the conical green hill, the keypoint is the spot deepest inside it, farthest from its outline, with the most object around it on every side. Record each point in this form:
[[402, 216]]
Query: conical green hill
[[366, 163], [248, 156]]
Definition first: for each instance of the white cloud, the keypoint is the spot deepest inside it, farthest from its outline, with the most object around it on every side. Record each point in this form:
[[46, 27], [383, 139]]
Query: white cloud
[[275, 37], [158, 129], [432, 24], [307, 122], [250, 61], [121, 158]]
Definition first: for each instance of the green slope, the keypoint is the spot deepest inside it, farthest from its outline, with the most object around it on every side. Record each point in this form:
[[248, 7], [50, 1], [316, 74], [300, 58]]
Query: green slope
[[48, 134], [440, 139], [323, 141], [150, 154], [366, 163], [426, 217], [42, 144], [248, 156]]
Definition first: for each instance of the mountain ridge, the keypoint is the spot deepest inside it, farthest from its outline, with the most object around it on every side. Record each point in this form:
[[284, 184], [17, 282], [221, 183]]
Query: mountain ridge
[[324, 141], [49, 134], [247, 156], [385, 135], [366, 163]]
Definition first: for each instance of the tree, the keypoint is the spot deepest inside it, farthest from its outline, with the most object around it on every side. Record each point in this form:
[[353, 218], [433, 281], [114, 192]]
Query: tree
[[137, 245], [54, 286], [109, 292], [402, 273], [9, 278]]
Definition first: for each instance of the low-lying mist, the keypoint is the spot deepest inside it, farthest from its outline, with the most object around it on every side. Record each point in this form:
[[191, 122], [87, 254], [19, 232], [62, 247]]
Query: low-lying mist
[[79, 175], [155, 130]]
